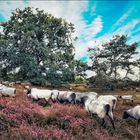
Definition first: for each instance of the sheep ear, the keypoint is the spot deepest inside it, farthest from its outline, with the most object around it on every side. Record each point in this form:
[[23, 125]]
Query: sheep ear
[[28, 91]]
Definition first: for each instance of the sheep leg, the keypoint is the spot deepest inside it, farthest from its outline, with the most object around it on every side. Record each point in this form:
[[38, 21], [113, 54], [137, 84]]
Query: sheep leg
[[103, 122], [50, 99], [112, 121], [138, 121]]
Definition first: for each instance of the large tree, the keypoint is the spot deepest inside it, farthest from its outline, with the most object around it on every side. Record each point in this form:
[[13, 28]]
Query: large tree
[[114, 56], [37, 47]]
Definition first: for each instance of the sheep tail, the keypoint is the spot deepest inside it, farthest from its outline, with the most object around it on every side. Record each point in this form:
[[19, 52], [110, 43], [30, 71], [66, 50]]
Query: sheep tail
[[107, 108]]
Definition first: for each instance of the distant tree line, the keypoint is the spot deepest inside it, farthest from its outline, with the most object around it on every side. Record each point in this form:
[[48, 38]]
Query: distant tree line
[[38, 47]]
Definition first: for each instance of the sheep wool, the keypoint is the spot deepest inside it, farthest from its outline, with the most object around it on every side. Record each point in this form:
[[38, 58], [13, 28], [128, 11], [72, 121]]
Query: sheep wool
[[100, 108], [40, 93], [8, 91], [133, 113], [110, 99]]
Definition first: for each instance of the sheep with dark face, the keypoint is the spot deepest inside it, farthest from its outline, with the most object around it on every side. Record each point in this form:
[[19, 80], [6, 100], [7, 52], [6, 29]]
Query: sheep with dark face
[[80, 96], [133, 113], [66, 97], [100, 108], [54, 95]]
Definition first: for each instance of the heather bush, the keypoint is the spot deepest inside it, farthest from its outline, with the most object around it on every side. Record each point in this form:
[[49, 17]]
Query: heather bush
[[20, 118], [5, 123]]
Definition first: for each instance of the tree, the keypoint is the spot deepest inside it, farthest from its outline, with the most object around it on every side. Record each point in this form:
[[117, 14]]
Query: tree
[[37, 47], [114, 55], [80, 69]]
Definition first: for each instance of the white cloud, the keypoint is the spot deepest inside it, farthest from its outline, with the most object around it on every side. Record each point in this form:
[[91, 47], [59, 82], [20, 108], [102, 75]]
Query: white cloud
[[124, 17], [127, 28], [88, 34], [135, 38], [91, 30]]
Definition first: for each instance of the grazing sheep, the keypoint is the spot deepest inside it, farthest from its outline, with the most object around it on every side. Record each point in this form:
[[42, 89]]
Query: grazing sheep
[[127, 98], [133, 113], [37, 94], [54, 95], [100, 108], [61, 96], [80, 96], [8, 91], [66, 97], [110, 99]]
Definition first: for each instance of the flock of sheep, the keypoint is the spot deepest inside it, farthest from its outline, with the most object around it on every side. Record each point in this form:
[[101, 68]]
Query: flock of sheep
[[102, 106]]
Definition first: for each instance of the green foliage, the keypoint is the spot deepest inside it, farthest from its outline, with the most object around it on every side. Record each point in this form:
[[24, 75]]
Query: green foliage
[[37, 47], [113, 56], [80, 68]]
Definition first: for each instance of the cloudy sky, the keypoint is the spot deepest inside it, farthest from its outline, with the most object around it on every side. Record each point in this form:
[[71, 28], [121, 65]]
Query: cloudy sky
[[95, 21]]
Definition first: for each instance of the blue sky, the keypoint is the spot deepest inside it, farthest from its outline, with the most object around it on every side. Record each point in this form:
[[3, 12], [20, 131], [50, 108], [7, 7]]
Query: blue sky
[[95, 21]]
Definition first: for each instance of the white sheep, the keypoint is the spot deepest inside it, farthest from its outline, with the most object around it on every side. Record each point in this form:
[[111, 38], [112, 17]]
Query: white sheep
[[100, 108], [110, 99], [127, 98], [8, 91], [37, 94], [54, 95], [133, 113], [66, 97], [80, 96]]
